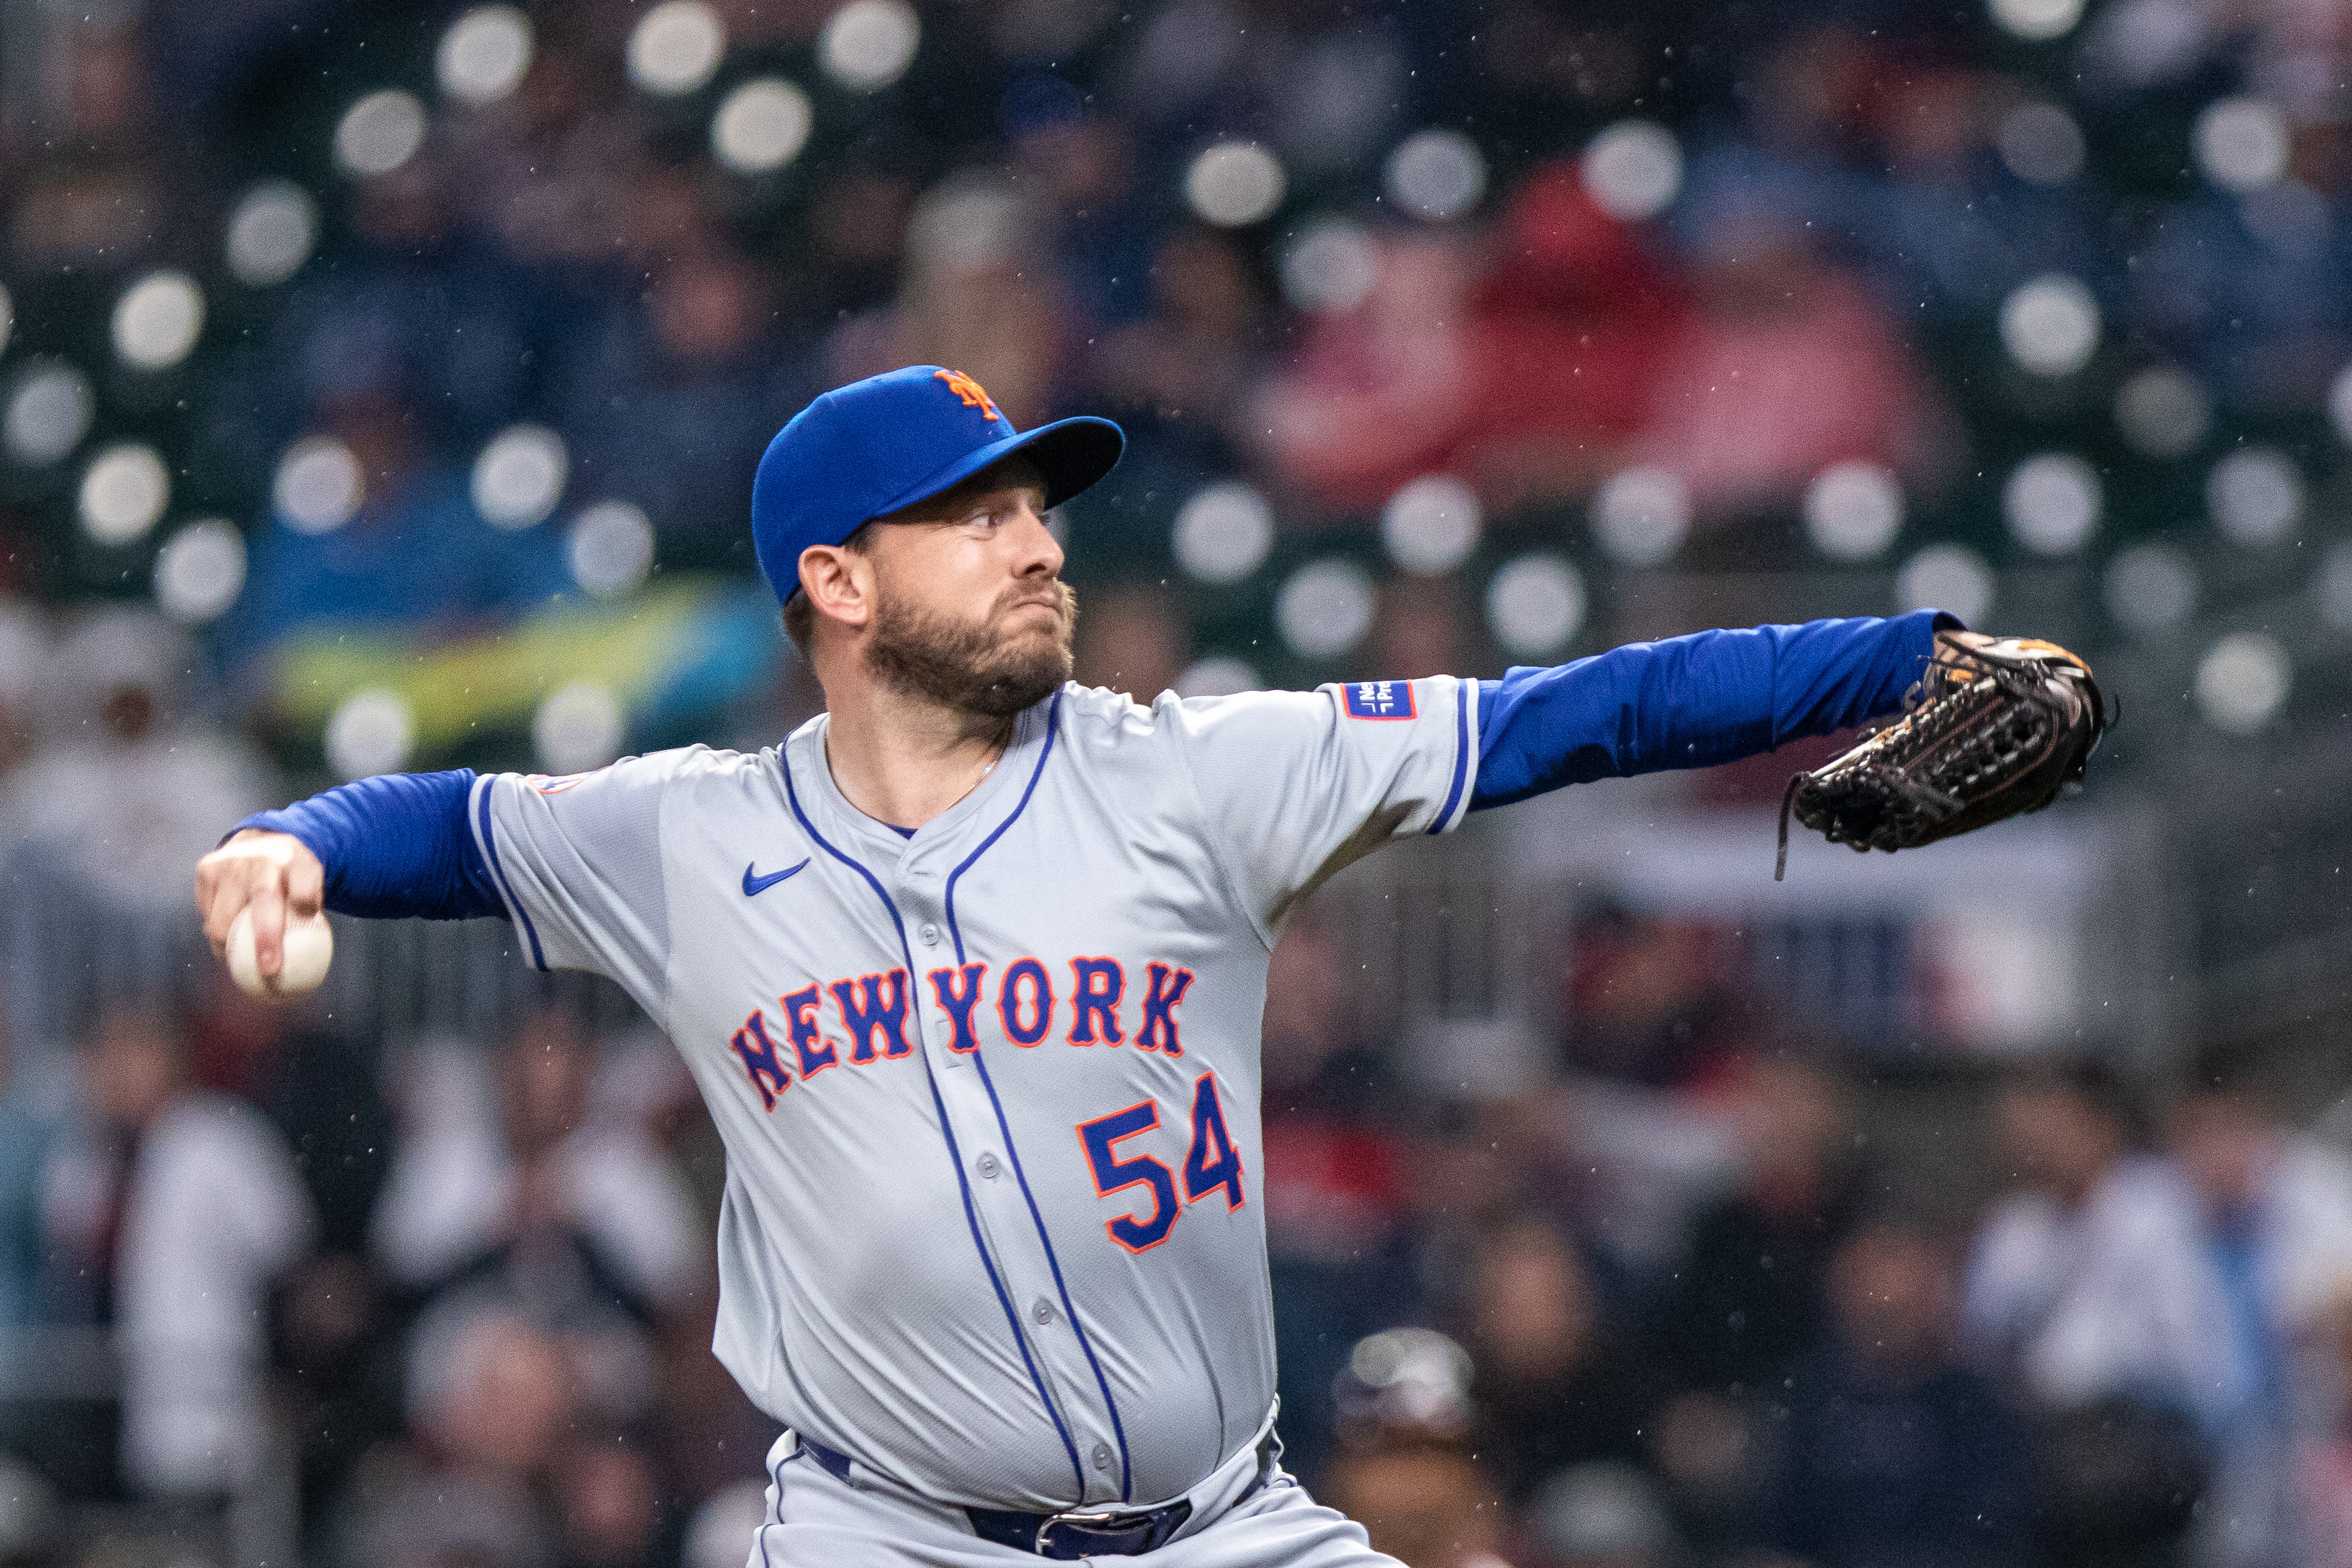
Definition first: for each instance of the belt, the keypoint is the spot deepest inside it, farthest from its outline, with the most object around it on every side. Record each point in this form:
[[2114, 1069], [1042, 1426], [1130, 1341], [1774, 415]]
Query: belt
[[1069, 1536]]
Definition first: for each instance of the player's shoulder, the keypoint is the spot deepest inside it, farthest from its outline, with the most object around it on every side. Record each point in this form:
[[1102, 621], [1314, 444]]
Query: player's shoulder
[[657, 770], [1096, 718]]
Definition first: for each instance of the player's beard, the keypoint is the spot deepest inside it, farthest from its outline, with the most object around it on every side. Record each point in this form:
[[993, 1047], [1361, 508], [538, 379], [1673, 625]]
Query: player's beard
[[972, 669]]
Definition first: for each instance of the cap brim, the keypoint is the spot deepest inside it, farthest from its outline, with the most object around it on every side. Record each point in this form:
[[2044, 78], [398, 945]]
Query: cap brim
[[1072, 454]]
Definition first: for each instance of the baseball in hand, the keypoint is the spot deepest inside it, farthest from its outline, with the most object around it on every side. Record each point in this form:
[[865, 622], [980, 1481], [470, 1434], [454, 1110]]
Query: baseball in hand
[[307, 947]]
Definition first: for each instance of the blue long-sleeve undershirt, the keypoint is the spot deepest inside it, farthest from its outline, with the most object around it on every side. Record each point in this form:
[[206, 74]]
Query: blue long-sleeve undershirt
[[1691, 701], [400, 844]]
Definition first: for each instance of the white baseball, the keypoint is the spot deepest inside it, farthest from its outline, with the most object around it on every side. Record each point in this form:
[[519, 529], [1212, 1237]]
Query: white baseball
[[306, 950]]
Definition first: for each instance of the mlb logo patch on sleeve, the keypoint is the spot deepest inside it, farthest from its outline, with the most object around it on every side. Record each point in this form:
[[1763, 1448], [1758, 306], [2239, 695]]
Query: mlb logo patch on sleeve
[[1380, 699]]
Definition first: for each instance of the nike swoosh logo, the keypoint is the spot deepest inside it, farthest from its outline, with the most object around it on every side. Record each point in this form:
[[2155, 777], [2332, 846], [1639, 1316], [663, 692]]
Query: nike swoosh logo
[[754, 886]]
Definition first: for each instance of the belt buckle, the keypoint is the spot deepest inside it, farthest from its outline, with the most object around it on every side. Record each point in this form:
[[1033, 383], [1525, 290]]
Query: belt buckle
[[1102, 1532]]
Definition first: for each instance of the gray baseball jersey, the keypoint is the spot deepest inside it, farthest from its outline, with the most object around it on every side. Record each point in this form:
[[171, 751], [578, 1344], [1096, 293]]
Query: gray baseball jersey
[[989, 1092]]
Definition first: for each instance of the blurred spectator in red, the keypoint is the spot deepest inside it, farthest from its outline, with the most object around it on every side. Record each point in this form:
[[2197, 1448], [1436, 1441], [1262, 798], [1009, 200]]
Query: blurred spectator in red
[[1570, 328], [180, 1209], [1789, 365], [1427, 1503], [1749, 1295], [1554, 1385], [1891, 1451], [2322, 1474]]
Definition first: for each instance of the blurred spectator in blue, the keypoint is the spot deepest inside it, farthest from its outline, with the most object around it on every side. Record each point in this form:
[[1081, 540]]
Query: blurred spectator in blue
[[415, 554], [1555, 1384], [1891, 1451], [24, 1156], [1749, 1295], [1080, 164]]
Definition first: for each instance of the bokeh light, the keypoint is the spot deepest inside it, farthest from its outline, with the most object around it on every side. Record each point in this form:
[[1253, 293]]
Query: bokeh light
[[2052, 503], [610, 549], [2041, 143], [2051, 325], [1947, 577], [2037, 21], [2331, 587], [2242, 144], [2149, 588], [2242, 682], [379, 132], [1219, 675], [319, 485], [1325, 608], [200, 571], [868, 44], [1535, 606], [2164, 412], [2255, 495], [483, 54], [1853, 510], [370, 732], [157, 320], [1431, 525], [1633, 170], [1435, 174], [675, 47], [577, 727], [519, 476], [1234, 185], [7, 318], [1329, 267], [1642, 516], [123, 493], [2339, 404], [49, 411], [1223, 533], [761, 126], [271, 233]]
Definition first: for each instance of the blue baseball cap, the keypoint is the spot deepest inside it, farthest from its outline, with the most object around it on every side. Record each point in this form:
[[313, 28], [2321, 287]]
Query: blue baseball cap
[[889, 441]]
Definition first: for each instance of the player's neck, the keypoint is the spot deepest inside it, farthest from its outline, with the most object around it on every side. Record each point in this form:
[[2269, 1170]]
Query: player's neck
[[903, 760]]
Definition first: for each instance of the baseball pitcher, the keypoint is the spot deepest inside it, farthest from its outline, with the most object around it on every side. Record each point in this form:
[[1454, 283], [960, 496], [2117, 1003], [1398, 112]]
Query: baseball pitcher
[[970, 970]]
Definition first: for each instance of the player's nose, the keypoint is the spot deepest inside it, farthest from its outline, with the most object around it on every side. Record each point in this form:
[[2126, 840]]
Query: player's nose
[[1037, 552]]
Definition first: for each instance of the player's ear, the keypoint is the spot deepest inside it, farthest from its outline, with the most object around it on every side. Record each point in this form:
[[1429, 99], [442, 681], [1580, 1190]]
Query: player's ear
[[839, 583]]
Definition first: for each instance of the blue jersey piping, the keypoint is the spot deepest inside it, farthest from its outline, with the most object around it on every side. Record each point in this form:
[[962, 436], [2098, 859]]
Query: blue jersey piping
[[1119, 1427], [955, 1154], [1465, 693], [491, 844]]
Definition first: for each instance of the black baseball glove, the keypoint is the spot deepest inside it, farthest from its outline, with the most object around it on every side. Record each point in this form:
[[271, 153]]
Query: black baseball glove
[[1996, 726]]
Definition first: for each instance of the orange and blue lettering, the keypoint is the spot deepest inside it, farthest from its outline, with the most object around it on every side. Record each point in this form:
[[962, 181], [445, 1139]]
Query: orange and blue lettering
[[882, 1010], [1039, 1004], [1213, 1162], [1096, 986], [1165, 988], [958, 1005], [758, 1053], [1101, 1138], [800, 1018]]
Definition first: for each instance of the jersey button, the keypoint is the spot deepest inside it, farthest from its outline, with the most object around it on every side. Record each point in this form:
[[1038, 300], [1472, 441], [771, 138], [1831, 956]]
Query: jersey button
[[1102, 1456], [1042, 1310], [991, 1168], [929, 934]]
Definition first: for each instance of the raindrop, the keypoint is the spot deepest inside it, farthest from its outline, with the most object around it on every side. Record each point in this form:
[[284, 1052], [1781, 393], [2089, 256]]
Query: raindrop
[[2164, 412], [2041, 143], [1946, 576], [483, 54], [2050, 326], [371, 732], [1632, 170], [1535, 605], [379, 132], [1431, 525], [576, 728], [2255, 495], [48, 413], [2151, 588], [675, 47], [1329, 267], [1325, 609], [158, 320], [1234, 185], [1436, 175], [1853, 510], [868, 44], [319, 487], [1218, 676], [1223, 532], [519, 476], [2037, 20], [2052, 503], [123, 492], [610, 549], [200, 571], [271, 233], [2242, 144], [761, 126], [2243, 681], [1642, 516]]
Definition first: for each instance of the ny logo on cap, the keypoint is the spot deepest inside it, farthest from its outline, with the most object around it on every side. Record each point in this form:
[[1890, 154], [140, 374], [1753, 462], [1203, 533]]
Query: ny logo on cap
[[971, 391]]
